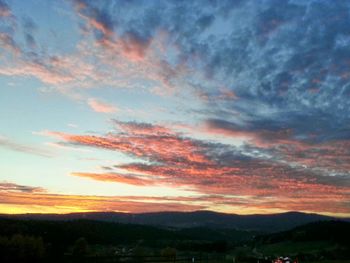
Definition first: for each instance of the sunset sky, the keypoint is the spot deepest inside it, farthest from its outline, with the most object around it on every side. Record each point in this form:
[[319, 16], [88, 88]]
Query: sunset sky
[[238, 106]]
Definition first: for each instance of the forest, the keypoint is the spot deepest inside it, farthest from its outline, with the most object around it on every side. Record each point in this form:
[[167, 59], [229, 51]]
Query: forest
[[96, 241]]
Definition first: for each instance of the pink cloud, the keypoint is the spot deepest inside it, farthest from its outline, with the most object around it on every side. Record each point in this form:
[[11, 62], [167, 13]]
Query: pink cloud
[[100, 106], [179, 161], [118, 178]]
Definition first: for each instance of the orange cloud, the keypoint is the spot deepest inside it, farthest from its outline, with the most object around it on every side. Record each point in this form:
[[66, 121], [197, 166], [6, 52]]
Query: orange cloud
[[24, 201], [69, 203], [118, 178], [143, 143]]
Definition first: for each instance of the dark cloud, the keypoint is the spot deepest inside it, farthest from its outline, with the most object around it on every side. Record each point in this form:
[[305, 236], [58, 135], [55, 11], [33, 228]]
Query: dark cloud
[[329, 156], [286, 61], [286, 69], [29, 28], [205, 21], [12, 29], [11, 187], [98, 17]]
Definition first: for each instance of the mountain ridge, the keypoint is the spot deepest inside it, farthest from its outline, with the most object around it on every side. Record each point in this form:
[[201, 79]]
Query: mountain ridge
[[202, 218]]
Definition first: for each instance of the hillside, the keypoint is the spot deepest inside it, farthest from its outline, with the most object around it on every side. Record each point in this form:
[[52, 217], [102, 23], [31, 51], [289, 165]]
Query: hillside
[[114, 233], [313, 241]]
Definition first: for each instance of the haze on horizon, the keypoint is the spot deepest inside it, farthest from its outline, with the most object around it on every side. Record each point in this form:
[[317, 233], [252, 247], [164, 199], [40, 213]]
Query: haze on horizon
[[139, 106]]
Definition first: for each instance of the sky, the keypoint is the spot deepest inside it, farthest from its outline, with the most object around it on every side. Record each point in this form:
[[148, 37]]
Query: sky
[[238, 106]]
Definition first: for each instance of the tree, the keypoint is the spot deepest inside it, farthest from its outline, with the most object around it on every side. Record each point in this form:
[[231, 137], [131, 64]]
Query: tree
[[80, 247], [21, 248], [168, 252]]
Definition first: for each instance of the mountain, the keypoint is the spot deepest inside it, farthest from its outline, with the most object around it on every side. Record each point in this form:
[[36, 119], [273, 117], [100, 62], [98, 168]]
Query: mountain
[[265, 223]]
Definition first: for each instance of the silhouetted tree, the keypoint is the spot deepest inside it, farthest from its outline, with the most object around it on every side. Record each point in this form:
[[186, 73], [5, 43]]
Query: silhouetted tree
[[20, 248], [168, 252], [80, 247]]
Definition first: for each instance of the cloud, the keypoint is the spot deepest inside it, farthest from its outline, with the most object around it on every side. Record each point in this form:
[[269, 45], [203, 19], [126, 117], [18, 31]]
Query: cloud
[[4, 9], [270, 64], [119, 59], [147, 141], [102, 24], [30, 27], [142, 128], [279, 86], [332, 156], [165, 157], [101, 107], [9, 144], [54, 70], [118, 178], [25, 199], [270, 61], [15, 188], [8, 24], [97, 19], [29, 199], [9, 43]]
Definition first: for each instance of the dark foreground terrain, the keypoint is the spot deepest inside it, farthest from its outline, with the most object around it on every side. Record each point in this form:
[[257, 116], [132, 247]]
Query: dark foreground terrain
[[85, 240]]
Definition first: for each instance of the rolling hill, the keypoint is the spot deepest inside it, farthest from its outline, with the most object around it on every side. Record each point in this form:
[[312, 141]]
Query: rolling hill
[[265, 223]]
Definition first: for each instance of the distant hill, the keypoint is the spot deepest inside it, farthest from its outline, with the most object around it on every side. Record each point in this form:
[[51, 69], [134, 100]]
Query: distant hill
[[266, 223]]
